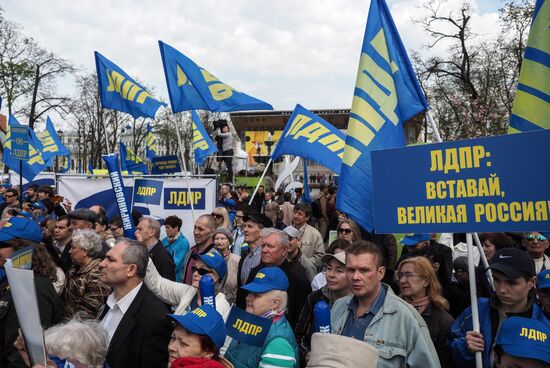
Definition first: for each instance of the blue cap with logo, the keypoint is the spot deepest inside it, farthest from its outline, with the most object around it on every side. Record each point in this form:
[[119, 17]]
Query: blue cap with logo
[[267, 279], [204, 320], [19, 227], [38, 205], [214, 260], [524, 338], [543, 279], [411, 240]]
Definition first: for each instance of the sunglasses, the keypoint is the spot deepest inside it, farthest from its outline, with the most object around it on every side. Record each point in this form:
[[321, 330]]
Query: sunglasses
[[537, 237], [217, 215], [345, 231], [113, 228], [9, 195], [201, 271]]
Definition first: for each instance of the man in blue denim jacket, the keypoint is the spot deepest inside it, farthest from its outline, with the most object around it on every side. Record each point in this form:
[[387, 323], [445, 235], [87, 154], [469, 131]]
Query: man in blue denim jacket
[[375, 315], [514, 277]]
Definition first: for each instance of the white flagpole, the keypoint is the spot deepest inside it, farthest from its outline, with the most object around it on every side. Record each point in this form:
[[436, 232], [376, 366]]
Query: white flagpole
[[471, 265], [185, 170], [260, 181], [484, 261]]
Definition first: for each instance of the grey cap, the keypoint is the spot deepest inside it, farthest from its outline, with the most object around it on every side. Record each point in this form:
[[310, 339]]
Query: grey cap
[[340, 257], [225, 231], [83, 214], [292, 232]]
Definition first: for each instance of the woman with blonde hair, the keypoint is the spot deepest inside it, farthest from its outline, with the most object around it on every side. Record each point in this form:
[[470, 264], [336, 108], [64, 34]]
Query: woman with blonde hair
[[221, 216], [273, 211], [348, 230], [420, 288]]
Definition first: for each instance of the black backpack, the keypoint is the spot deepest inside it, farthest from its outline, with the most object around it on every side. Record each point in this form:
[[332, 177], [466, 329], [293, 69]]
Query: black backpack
[[316, 209]]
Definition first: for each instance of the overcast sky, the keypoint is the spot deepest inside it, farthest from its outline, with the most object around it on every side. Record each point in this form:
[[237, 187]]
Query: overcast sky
[[282, 51]]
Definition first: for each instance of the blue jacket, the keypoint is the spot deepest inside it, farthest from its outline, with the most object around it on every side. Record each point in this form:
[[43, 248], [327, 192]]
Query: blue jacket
[[178, 249], [461, 356], [249, 356]]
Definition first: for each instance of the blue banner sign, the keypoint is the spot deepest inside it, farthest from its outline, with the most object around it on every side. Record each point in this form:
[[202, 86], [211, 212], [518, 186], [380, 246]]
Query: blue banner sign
[[165, 165], [247, 328], [180, 198], [147, 191], [19, 142], [493, 184]]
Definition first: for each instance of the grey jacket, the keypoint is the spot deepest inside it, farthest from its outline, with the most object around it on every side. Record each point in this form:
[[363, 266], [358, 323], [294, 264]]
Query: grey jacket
[[397, 331]]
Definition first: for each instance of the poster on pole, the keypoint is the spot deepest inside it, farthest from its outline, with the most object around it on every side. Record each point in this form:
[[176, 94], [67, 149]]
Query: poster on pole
[[492, 184]]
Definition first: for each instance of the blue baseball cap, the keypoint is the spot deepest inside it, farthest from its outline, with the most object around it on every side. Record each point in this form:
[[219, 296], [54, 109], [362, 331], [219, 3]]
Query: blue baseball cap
[[267, 279], [204, 320], [38, 205], [411, 240], [543, 279], [525, 338], [23, 228], [214, 260]]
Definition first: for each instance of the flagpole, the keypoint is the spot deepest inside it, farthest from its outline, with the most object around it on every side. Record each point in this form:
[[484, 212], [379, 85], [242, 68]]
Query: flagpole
[[260, 181], [106, 139], [484, 261], [185, 170]]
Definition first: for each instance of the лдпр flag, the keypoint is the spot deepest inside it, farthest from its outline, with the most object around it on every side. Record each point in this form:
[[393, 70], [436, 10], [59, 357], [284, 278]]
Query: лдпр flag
[[35, 164], [51, 144], [386, 95], [191, 87], [532, 102], [202, 144], [151, 144], [308, 136], [130, 161], [118, 91]]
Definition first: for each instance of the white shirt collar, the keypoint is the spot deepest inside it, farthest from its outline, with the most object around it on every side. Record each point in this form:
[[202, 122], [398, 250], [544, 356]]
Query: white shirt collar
[[125, 302]]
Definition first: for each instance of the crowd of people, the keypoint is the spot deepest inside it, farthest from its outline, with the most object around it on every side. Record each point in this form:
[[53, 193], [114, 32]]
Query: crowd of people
[[109, 301]]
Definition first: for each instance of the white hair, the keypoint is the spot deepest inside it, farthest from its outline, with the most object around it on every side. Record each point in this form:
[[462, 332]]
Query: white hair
[[85, 341], [283, 299]]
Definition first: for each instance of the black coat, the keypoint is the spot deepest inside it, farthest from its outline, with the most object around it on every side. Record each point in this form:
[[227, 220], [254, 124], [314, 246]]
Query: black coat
[[142, 336], [439, 324], [163, 261]]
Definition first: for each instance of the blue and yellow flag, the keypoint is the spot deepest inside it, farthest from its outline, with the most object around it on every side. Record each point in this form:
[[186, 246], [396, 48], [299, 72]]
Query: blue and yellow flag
[[202, 144], [309, 136], [386, 95], [118, 91], [532, 102], [51, 144], [66, 164], [306, 197], [130, 161], [35, 163], [151, 145], [191, 87]]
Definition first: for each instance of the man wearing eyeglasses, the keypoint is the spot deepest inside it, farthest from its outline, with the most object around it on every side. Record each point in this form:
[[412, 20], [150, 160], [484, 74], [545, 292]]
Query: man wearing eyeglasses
[[535, 244]]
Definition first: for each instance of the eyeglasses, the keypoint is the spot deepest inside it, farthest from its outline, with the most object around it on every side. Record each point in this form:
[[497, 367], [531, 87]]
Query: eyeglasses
[[537, 237], [406, 275], [345, 231], [113, 228], [217, 215], [9, 195], [200, 271]]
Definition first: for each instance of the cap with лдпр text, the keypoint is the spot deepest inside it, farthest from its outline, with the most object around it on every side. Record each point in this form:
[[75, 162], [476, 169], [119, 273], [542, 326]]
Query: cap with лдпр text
[[513, 263], [524, 338], [543, 279], [23, 228], [411, 240], [267, 279], [204, 320], [214, 260]]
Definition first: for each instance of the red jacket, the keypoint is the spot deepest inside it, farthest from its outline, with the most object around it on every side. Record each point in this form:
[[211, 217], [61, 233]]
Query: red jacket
[[196, 363]]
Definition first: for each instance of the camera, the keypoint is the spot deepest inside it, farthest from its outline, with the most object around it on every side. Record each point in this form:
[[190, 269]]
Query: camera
[[220, 123]]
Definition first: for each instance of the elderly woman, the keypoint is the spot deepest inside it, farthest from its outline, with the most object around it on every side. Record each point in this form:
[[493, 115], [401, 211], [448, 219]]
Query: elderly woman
[[187, 297], [348, 230], [78, 343], [274, 213], [420, 287], [84, 293], [223, 238], [221, 216], [197, 339], [337, 287], [267, 298]]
